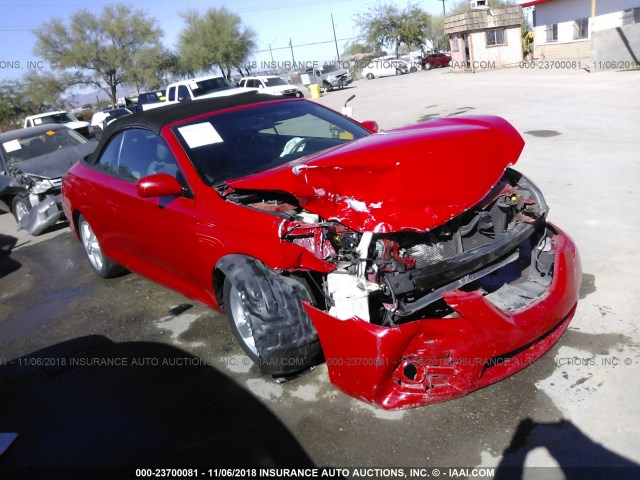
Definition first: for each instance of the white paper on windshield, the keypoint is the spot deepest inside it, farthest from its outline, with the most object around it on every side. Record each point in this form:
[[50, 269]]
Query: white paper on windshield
[[11, 146], [37, 121], [200, 134]]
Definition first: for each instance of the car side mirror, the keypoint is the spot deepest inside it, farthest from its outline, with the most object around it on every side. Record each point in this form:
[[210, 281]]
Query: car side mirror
[[371, 125], [158, 185]]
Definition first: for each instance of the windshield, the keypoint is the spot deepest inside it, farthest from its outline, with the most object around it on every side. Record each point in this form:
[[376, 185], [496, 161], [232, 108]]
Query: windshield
[[329, 68], [274, 82], [35, 145], [211, 85], [250, 140], [63, 117]]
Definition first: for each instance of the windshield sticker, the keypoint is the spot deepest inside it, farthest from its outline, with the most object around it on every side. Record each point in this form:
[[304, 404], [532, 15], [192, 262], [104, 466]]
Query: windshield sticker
[[50, 132], [11, 146], [193, 85], [37, 121], [200, 134]]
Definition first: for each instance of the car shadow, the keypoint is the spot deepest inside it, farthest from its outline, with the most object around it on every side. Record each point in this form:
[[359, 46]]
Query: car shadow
[[89, 407], [7, 244], [577, 456]]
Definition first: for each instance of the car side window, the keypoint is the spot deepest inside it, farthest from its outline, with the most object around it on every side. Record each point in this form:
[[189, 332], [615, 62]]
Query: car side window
[[172, 94], [109, 157], [183, 92], [144, 153]]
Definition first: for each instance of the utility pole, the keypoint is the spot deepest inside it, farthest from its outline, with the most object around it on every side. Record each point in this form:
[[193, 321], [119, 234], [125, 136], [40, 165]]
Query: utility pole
[[334, 38], [270, 50], [291, 46], [443, 12]]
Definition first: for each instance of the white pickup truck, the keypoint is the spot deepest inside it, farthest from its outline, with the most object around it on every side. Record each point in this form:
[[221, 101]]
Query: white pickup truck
[[198, 88], [61, 117]]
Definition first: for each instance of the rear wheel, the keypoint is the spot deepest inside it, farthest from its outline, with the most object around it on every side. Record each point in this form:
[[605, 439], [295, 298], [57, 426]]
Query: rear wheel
[[369, 76], [102, 265], [398, 71], [20, 207], [413, 69]]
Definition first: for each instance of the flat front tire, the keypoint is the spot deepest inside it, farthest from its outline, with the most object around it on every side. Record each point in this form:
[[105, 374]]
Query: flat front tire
[[101, 264], [240, 320]]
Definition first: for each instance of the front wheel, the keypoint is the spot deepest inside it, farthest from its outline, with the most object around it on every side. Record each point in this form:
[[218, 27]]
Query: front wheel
[[328, 87], [413, 69], [240, 320], [369, 76], [428, 66], [101, 264], [20, 207]]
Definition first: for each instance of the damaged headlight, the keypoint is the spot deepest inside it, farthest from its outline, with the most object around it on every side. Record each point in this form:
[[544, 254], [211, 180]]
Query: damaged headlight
[[38, 185]]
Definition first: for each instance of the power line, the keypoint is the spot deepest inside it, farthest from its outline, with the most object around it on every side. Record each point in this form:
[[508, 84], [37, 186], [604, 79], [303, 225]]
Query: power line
[[303, 45]]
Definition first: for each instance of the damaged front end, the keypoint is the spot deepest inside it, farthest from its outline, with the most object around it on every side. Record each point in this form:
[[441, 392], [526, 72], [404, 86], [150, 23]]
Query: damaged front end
[[45, 198], [412, 318], [430, 289]]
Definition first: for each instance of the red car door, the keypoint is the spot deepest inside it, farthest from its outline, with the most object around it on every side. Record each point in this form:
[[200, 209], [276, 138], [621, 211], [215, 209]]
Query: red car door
[[152, 236]]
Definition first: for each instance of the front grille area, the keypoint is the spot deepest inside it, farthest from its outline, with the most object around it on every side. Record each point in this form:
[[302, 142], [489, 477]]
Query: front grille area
[[431, 253]]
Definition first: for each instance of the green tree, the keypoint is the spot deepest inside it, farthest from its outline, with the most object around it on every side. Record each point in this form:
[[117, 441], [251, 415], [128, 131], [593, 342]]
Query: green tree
[[386, 25], [215, 39], [33, 93], [102, 50], [44, 91], [13, 103], [435, 33]]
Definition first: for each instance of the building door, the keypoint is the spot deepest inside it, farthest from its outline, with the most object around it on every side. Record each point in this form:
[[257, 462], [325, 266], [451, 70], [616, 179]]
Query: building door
[[467, 60]]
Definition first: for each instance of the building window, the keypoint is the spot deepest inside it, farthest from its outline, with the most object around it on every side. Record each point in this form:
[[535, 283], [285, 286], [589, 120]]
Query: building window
[[495, 36], [552, 33], [581, 29], [631, 16], [455, 47]]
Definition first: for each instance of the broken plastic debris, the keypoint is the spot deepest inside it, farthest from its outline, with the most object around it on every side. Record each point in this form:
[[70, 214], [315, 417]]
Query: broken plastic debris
[[178, 309]]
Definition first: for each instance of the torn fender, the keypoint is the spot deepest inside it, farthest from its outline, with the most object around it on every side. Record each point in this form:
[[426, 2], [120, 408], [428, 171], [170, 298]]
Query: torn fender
[[282, 330], [432, 360]]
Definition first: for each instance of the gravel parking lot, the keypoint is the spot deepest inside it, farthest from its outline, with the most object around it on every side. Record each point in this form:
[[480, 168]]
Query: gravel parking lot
[[575, 407]]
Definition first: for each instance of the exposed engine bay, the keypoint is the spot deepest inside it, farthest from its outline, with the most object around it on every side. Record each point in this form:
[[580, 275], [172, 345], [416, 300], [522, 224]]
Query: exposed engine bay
[[500, 247]]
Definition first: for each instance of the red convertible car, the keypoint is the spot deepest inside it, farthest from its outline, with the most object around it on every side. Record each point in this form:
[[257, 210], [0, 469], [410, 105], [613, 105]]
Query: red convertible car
[[414, 261]]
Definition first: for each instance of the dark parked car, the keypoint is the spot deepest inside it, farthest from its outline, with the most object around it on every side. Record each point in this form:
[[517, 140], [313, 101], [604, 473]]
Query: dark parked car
[[148, 98], [436, 60], [37, 158], [418, 262]]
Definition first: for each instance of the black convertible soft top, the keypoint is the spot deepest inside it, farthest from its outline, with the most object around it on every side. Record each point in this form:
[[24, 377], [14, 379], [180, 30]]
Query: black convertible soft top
[[157, 118]]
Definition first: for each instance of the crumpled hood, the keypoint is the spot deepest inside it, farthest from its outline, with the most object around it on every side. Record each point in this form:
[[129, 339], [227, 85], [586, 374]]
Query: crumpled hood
[[414, 178], [55, 164]]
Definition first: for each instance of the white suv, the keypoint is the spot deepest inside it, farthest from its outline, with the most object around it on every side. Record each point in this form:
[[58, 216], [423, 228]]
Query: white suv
[[272, 85]]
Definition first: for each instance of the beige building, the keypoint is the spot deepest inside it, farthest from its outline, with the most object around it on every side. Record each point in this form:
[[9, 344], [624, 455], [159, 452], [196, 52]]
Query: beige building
[[485, 38], [600, 30]]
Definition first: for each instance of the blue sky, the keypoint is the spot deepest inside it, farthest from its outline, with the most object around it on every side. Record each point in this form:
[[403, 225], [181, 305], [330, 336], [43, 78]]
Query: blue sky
[[275, 22]]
